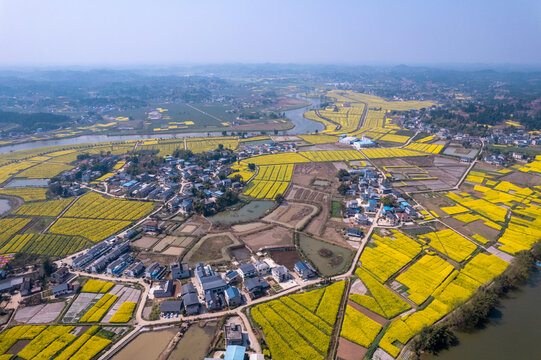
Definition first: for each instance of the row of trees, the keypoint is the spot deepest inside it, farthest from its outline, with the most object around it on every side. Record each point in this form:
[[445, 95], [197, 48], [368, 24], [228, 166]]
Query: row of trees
[[475, 313]]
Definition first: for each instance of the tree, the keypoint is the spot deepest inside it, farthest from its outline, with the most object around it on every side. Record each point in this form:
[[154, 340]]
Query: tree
[[343, 188], [251, 166], [388, 201], [317, 131], [275, 131], [47, 267], [236, 178], [434, 339], [279, 198], [342, 174], [198, 207]]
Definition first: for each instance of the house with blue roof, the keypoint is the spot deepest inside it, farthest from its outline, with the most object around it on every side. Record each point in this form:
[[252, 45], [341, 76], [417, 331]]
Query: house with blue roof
[[235, 352], [232, 296]]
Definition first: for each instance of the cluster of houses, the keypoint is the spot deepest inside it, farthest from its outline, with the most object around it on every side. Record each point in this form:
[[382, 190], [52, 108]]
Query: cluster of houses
[[369, 190], [266, 148], [110, 255], [210, 290]]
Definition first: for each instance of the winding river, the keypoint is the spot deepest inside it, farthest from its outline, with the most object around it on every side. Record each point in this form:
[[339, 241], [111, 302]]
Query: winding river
[[302, 126]]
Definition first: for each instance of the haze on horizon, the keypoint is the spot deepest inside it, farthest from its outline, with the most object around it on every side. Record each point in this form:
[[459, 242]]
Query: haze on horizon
[[166, 32]]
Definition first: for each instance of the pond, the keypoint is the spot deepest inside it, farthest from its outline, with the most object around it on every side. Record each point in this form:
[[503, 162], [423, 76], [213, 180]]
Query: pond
[[139, 347], [27, 183], [512, 331], [195, 343], [249, 212], [329, 259], [4, 206]]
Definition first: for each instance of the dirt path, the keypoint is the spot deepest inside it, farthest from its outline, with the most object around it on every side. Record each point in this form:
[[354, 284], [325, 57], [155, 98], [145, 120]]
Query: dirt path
[[205, 113], [60, 215]]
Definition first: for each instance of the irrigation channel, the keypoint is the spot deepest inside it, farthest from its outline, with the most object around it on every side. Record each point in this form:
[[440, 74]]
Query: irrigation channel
[[302, 126], [511, 333]]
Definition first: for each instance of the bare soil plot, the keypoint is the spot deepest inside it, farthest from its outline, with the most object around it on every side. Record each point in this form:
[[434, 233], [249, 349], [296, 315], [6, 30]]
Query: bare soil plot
[[212, 248], [475, 227], [288, 258], [80, 305], [301, 194], [348, 350], [247, 227], [275, 236], [145, 242], [39, 314], [334, 235], [292, 214], [174, 251], [304, 173], [523, 179], [180, 241], [241, 253], [317, 224], [163, 243], [447, 171], [125, 294], [196, 225]]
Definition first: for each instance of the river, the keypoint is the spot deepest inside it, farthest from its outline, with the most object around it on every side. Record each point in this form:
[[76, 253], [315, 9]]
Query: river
[[512, 332], [302, 126]]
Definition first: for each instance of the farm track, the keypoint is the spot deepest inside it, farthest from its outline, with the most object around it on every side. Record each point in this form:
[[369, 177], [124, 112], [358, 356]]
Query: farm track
[[205, 113], [60, 215]]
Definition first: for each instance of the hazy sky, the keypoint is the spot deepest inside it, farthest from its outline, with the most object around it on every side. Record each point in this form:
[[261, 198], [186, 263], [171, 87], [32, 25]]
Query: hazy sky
[[115, 32]]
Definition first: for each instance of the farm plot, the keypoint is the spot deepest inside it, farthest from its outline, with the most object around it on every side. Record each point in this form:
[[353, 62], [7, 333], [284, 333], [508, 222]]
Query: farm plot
[[378, 299], [390, 153], [27, 193], [457, 288], [44, 208], [96, 312], [359, 328], [10, 226], [85, 347], [332, 155], [97, 286], [9, 170], [48, 342], [291, 214], [450, 244], [276, 159], [384, 256], [481, 206], [275, 237], [92, 229], [45, 170], [266, 189], [39, 314], [319, 139], [300, 326], [95, 206], [428, 148], [44, 244], [424, 276], [212, 248]]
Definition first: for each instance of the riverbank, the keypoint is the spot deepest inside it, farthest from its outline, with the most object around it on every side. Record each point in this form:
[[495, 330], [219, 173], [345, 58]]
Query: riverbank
[[300, 125], [512, 330], [484, 309]]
